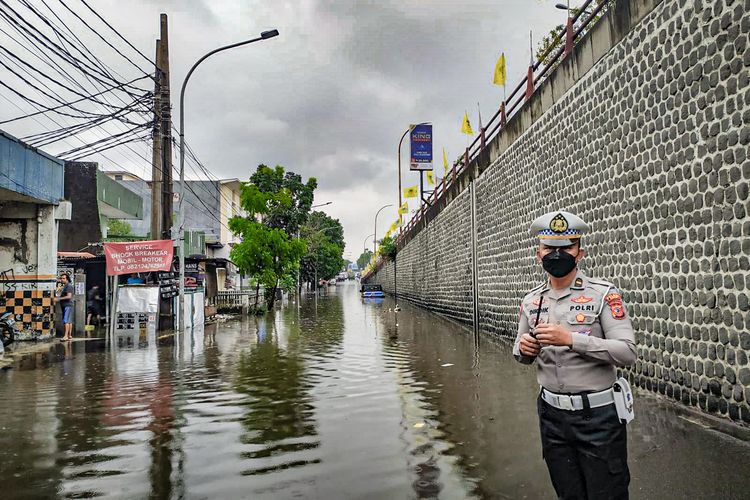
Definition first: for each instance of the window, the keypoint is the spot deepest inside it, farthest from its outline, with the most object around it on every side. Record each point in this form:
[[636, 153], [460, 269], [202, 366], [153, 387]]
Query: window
[[118, 177]]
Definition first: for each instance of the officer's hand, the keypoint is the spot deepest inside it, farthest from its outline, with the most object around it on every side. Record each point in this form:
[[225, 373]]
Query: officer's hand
[[528, 345], [550, 334]]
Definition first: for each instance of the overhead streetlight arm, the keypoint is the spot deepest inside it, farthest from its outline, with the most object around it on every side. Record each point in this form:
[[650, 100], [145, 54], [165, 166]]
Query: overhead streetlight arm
[[400, 142], [263, 36], [375, 240]]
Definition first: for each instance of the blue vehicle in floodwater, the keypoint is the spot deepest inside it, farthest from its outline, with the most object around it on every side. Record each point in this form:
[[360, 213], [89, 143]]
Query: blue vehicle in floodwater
[[370, 291]]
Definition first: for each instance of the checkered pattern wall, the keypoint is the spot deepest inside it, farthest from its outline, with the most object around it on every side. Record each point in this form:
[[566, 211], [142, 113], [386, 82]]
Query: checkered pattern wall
[[33, 309]]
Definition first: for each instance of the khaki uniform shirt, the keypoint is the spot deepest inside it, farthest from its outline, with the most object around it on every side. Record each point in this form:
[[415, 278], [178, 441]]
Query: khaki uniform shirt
[[602, 335]]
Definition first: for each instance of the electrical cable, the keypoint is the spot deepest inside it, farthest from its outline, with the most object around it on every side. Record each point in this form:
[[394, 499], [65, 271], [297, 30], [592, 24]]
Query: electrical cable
[[28, 68], [103, 38], [58, 100], [106, 139], [116, 32], [62, 105], [21, 24]]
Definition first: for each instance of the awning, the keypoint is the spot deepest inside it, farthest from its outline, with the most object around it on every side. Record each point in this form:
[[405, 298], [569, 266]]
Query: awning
[[76, 255]]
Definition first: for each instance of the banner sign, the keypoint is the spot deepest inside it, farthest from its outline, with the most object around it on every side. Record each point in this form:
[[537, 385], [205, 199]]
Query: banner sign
[[138, 257], [421, 147]]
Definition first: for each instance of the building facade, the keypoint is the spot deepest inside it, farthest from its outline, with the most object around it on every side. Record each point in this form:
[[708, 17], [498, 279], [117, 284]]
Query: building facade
[[96, 199], [31, 205]]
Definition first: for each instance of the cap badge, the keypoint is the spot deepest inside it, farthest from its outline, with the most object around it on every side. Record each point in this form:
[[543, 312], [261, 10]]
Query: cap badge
[[558, 223]]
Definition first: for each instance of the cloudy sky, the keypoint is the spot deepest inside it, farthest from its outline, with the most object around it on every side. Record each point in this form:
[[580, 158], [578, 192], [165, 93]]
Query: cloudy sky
[[331, 95]]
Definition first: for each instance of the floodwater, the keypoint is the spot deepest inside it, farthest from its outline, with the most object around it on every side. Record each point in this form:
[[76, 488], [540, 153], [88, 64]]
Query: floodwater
[[333, 399]]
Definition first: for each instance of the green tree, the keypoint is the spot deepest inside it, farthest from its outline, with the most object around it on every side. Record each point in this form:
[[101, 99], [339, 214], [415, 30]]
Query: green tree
[[117, 227], [275, 202], [325, 247], [364, 259], [287, 199]]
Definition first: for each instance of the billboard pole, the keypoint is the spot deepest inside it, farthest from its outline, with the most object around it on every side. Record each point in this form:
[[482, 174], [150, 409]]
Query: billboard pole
[[421, 188], [399, 164]]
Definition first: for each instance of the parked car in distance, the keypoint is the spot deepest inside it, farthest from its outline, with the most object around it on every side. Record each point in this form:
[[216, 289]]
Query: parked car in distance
[[368, 290]]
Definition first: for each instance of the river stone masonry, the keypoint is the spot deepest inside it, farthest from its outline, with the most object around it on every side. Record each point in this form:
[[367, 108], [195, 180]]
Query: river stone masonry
[[650, 146]]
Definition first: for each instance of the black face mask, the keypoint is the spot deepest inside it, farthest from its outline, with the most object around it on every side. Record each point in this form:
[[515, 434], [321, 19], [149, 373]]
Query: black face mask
[[558, 263]]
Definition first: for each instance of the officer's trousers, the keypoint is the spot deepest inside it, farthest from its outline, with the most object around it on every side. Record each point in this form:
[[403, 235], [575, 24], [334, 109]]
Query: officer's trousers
[[585, 451]]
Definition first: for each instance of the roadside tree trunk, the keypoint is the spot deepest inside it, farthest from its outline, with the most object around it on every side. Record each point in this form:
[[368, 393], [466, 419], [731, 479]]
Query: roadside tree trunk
[[272, 299]]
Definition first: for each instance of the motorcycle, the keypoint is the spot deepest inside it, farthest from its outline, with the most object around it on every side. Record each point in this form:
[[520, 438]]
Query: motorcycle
[[8, 328]]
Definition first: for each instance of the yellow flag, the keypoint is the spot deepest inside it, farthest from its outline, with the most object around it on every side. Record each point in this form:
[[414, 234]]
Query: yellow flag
[[499, 77], [411, 192], [445, 163], [430, 178], [466, 126], [392, 228], [404, 209]]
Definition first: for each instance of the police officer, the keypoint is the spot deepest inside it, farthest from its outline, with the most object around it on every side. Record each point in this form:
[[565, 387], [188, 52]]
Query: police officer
[[577, 330]]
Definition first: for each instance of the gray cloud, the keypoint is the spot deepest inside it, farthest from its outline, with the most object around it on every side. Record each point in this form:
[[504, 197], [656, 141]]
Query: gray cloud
[[331, 96]]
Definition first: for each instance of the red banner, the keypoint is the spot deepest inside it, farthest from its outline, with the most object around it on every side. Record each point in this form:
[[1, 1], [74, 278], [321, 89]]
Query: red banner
[[138, 257]]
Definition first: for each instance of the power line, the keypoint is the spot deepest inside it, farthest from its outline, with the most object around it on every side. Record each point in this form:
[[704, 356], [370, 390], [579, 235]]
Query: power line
[[66, 104], [116, 32], [49, 95], [102, 37], [28, 30]]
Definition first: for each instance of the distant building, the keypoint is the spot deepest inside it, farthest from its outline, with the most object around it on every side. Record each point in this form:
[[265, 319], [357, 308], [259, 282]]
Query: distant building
[[208, 207]]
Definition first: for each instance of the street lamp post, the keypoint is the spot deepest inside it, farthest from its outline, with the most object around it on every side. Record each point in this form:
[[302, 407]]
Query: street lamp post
[[364, 243], [399, 164], [315, 257], [375, 242], [299, 271], [181, 230], [400, 142]]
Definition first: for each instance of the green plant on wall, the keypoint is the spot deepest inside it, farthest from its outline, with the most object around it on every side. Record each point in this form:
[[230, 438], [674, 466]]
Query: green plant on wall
[[117, 227], [388, 248]]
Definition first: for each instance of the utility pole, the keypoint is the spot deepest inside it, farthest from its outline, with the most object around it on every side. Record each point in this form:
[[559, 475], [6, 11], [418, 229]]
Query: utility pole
[[156, 177], [161, 159], [166, 134]]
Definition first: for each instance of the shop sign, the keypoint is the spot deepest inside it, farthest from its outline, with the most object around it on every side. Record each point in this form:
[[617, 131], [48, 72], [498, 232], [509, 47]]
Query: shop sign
[[138, 257]]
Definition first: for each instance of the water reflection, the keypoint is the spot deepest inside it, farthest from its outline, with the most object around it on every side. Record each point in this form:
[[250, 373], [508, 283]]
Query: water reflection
[[279, 423], [335, 397]]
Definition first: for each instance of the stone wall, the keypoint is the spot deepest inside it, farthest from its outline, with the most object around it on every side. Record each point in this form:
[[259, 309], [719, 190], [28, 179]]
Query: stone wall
[[436, 266], [650, 146]]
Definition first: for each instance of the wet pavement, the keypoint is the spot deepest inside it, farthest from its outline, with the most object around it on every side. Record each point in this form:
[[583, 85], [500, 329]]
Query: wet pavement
[[327, 400]]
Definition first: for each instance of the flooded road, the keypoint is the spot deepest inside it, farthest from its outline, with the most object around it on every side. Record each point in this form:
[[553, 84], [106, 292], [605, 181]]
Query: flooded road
[[328, 400]]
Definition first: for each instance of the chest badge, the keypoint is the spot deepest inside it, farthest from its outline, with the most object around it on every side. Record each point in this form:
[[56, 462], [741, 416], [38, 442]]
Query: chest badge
[[580, 318], [537, 301], [582, 300]]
